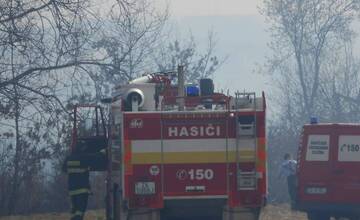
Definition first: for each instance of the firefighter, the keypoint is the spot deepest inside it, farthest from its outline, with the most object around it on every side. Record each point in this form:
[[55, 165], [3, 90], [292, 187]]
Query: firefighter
[[78, 183], [288, 170]]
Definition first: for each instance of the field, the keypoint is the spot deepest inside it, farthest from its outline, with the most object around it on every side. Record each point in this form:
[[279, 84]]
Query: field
[[90, 215], [271, 212], [281, 212]]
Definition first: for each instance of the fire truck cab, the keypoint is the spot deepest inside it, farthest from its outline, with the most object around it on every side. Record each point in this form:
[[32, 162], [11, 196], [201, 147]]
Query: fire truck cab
[[329, 171]]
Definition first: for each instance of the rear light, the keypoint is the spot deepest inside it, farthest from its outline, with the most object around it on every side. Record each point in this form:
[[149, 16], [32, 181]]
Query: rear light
[[316, 190], [144, 188]]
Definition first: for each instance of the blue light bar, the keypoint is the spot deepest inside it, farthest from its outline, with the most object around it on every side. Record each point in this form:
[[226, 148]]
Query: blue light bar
[[313, 120], [192, 90]]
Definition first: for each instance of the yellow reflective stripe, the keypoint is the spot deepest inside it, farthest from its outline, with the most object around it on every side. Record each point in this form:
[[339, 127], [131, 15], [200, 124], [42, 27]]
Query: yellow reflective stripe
[[193, 157], [78, 191], [73, 163], [77, 170]]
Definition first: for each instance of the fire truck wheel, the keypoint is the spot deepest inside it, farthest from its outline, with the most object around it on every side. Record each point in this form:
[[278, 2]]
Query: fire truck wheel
[[318, 216]]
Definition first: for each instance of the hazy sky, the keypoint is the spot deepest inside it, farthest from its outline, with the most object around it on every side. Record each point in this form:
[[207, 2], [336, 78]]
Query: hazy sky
[[240, 34], [212, 7]]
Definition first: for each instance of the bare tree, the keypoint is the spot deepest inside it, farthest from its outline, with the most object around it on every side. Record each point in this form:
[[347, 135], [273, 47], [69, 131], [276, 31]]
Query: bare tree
[[36, 37], [339, 90], [198, 64], [305, 33], [127, 40]]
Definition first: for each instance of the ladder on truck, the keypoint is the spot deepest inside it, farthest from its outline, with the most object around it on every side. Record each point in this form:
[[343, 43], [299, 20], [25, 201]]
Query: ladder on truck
[[246, 130], [89, 136]]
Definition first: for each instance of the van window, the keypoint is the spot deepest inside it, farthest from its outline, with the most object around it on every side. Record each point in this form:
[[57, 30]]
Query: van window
[[318, 148], [349, 148]]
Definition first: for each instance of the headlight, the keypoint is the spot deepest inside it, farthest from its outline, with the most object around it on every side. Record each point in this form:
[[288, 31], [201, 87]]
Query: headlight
[[145, 188], [316, 190]]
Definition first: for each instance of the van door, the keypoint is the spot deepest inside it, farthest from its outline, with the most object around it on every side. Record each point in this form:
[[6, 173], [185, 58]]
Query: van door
[[314, 164], [346, 169]]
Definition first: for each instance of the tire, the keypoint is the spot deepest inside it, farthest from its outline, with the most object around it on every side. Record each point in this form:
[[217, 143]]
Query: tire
[[318, 216]]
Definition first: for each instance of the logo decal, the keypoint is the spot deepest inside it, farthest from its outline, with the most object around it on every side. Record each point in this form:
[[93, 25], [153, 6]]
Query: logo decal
[[154, 170], [181, 175], [137, 123]]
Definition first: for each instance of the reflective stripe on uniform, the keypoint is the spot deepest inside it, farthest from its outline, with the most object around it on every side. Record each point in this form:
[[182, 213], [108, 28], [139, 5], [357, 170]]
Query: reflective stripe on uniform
[[78, 191], [73, 163], [77, 170]]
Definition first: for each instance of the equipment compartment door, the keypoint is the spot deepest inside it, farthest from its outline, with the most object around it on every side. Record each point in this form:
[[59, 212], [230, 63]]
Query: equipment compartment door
[[194, 155], [315, 164], [346, 174]]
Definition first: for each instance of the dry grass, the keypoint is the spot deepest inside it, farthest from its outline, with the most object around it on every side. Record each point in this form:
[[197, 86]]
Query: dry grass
[[271, 212], [281, 212], [90, 215]]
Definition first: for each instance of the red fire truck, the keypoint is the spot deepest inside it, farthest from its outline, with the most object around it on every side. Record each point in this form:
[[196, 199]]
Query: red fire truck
[[328, 171], [178, 151]]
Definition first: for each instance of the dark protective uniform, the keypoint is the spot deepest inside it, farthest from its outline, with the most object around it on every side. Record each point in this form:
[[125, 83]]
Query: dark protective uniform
[[291, 181], [89, 155], [78, 184]]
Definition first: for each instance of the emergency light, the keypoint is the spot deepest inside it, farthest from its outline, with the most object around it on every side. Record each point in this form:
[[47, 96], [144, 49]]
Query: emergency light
[[192, 90], [313, 120]]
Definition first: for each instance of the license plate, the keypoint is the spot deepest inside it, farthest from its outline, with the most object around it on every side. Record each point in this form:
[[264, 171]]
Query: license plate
[[144, 188], [316, 190], [246, 182]]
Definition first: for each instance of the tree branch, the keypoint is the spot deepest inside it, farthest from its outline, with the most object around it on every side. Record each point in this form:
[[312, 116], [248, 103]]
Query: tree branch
[[25, 13]]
